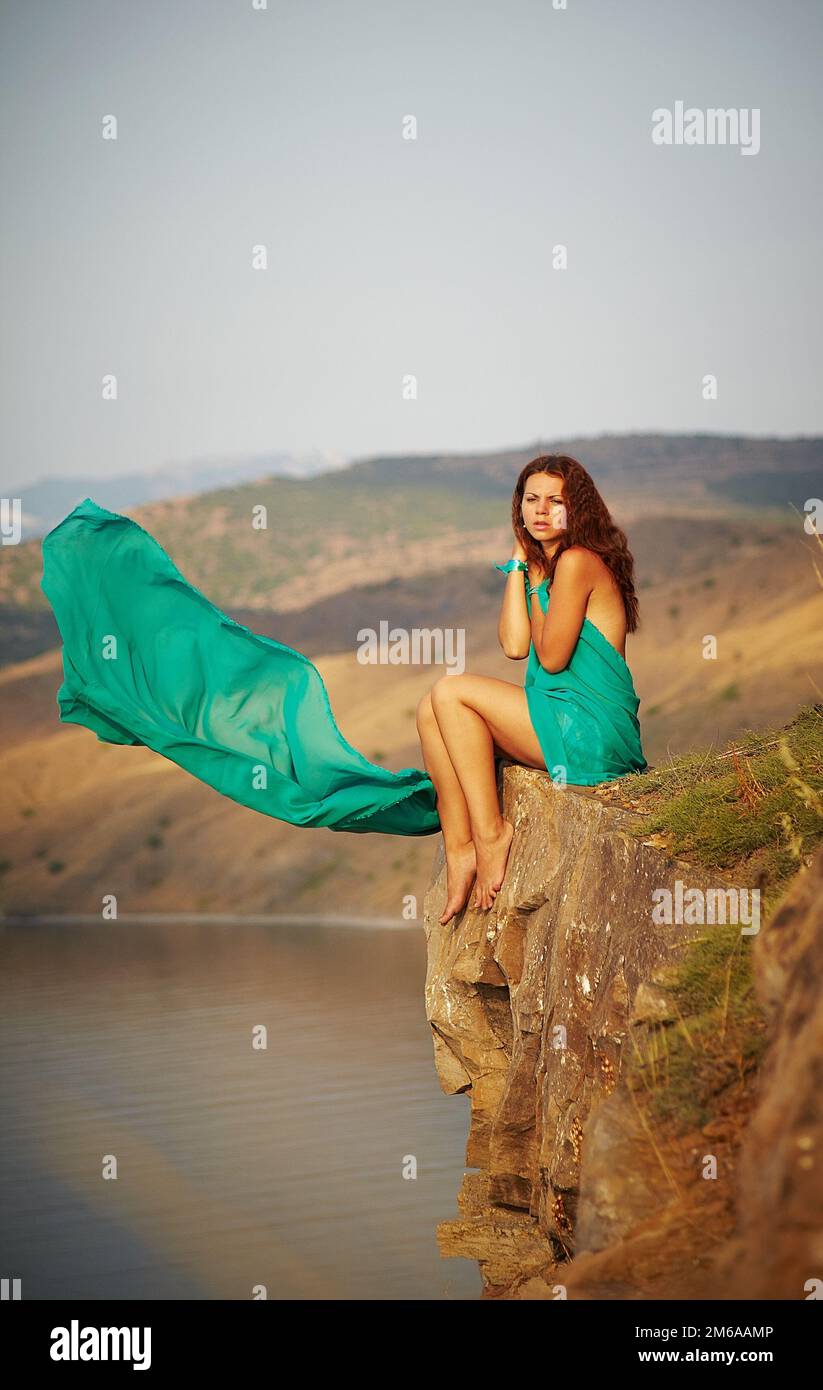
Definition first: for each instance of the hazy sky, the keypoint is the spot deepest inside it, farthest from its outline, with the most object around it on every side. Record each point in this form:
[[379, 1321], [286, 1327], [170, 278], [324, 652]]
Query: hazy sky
[[283, 127]]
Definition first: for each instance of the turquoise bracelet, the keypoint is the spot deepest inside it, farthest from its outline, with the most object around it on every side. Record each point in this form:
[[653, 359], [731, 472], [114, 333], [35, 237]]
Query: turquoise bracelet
[[519, 565]]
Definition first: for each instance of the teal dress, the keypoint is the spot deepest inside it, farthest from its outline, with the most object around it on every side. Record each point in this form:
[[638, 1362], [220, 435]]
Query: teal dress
[[585, 716], [148, 660]]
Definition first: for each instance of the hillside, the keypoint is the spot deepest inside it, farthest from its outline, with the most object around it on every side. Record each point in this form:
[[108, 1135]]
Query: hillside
[[78, 813]]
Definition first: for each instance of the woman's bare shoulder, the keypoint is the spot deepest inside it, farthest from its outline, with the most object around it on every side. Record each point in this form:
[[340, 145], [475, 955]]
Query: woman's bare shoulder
[[580, 562], [589, 570]]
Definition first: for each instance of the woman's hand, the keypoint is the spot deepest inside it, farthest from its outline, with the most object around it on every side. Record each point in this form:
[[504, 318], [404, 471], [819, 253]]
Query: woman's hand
[[519, 550]]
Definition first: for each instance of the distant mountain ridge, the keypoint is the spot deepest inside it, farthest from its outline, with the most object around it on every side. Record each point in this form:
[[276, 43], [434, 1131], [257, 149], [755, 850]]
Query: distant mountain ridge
[[393, 517], [759, 471], [714, 461], [45, 502]]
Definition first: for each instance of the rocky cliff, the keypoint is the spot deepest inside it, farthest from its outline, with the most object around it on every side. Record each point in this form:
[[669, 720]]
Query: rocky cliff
[[555, 1013]]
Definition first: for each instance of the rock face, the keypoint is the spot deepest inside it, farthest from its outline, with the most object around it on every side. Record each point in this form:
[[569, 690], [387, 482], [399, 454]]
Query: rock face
[[756, 1232], [533, 1007], [778, 1252], [530, 1006]]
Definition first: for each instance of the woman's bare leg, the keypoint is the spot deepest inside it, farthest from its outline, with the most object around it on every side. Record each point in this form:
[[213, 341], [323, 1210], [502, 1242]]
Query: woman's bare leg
[[476, 714], [453, 811]]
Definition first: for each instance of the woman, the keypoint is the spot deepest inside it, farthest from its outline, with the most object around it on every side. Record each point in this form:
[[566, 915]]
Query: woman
[[576, 715]]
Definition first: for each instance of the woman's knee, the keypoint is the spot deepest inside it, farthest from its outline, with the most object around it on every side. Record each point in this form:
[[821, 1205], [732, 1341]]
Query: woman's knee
[[425, 711], [445, 688]]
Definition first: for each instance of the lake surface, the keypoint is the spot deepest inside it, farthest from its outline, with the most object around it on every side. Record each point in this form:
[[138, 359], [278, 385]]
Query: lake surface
[[236, 1167]]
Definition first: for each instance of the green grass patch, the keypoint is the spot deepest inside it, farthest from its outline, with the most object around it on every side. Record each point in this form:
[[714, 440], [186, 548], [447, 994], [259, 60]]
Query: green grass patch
[[756, 809], [717, 1041]]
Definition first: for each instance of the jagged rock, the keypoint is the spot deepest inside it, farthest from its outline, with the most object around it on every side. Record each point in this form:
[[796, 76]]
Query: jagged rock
[[507, 1244], [530, 1006]]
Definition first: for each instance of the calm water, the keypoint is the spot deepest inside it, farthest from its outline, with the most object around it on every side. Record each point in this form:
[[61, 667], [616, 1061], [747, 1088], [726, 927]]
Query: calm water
[[235, 1167]]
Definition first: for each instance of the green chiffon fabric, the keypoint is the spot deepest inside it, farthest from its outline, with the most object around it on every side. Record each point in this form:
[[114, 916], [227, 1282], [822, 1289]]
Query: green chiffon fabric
[[585, 716], [148, 660]]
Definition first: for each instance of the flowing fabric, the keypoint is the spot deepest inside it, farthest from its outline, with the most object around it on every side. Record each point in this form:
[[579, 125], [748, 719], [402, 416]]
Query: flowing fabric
[[148, 660], [585, 716]]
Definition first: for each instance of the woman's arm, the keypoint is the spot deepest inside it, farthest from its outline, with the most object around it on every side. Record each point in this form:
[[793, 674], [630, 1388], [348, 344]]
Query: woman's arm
[[555, 634], [514, 629]]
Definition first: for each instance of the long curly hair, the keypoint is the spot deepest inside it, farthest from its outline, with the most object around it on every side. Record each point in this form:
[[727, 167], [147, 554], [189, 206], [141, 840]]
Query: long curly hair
[[588, 523]]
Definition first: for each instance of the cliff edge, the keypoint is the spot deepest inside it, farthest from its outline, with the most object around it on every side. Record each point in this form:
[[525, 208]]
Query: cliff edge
[[560, 1012]]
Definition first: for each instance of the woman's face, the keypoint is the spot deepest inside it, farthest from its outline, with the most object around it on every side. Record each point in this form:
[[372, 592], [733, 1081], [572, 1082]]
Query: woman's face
[[543, 507]]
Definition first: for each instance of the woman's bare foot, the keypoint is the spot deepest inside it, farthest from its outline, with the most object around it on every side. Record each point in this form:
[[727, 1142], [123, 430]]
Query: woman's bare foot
[[492, 857], [460, 870]]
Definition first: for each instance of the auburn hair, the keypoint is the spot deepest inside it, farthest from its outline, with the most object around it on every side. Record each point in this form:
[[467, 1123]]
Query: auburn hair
[[588, 523]]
